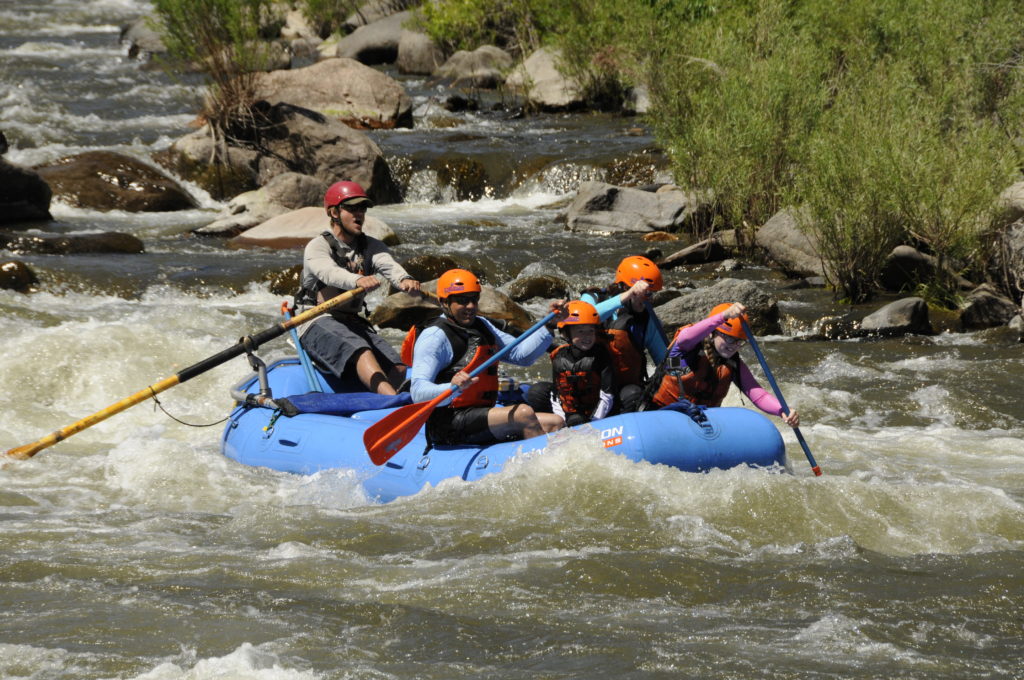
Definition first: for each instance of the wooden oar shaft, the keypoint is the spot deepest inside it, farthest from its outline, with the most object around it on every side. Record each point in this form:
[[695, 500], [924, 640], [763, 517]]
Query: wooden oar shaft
[[239, 348], [778, 395]]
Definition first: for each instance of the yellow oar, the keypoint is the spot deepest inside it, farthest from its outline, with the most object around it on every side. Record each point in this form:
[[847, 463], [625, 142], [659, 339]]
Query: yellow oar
[[247, 343]]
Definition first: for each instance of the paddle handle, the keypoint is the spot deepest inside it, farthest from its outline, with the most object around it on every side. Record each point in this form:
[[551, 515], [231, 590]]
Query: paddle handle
[[508, 348], [778, 395], [247, 343]]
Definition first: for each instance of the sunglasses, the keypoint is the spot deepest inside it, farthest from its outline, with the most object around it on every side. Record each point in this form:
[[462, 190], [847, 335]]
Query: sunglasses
[[729, 340], [464, 299]]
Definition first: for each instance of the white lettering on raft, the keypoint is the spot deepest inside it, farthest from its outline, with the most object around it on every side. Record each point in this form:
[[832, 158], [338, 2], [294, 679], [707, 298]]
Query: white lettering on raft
[[612, 436]]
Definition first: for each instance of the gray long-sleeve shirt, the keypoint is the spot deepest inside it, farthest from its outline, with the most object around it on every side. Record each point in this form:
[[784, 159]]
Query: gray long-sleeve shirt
[[319, 265]]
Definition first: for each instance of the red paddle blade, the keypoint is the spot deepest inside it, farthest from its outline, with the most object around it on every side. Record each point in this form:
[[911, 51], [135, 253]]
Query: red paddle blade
[[388, 435]]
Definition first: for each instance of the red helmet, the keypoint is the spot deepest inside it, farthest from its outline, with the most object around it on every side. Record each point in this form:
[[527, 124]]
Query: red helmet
[[341, 192], [732, 327], [457, 282], [637, 267], [580, 314]]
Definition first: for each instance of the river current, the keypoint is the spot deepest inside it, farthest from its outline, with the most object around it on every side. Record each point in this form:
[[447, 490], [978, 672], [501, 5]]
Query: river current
[[135, 550]]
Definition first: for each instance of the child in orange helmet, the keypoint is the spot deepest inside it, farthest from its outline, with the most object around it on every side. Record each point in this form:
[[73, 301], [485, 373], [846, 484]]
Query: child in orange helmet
[[708, 352], [583, 376]]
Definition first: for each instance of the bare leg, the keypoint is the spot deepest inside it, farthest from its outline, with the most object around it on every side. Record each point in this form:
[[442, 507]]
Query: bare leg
[[371, 374], [549, 422], [506, 421]]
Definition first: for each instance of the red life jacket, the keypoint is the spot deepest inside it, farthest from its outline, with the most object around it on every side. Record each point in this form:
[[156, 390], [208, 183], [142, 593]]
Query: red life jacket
[[479, 343], [703, 383], [577, 380]]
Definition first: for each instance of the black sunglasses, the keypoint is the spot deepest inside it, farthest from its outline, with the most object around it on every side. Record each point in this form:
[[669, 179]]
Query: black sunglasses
[[464, 299]]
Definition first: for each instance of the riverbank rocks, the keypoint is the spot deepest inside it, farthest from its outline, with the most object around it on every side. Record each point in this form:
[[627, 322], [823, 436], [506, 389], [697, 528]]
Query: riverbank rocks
[[418, 54], [104, 180], [544, 286], [71, 244], [909, 315], [544, 85], [16, 275], [284, 193], [985, 307], [717, 248], [372, 43], [789, 246], [295, 229], [24, 195], [485, 67], [690, 307], [294, 140], [375, 11], [906, 267], [604, 208], [342, 89], [402, 311], [143, 37], [430, 267]]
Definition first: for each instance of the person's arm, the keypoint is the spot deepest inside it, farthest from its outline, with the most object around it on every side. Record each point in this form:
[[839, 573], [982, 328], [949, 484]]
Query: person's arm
[[606, 308], [688, 338], [654, 341], [762, 398], [528, 351], [318, 262], [383, 262], [607, 397], [432, 353]]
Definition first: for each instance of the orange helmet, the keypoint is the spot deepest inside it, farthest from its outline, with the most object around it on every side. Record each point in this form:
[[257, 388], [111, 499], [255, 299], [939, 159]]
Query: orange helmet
[[732, 327], [637, 267], [457, 282], [580, 314]]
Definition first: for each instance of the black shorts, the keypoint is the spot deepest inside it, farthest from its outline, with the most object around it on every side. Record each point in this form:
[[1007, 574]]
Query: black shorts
[[460, 426], [334, 345]]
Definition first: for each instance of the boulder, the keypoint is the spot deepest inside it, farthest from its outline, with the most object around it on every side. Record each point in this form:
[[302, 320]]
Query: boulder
[[295, 229], [402, 311], [71, 244], [418, 54], [545, 286], [143, 37], [789, 246], [708, 250], [297, 27], [1011, 202], [342, 89], [371, 44], [286, 192], [909, 315], [906, 267], [294, 140], [605, 208], [15, 275], [484, 67], [104, 180], [543, 84], [430, 267], [985, 307], [690, 307], [24, 195], [375, 11]]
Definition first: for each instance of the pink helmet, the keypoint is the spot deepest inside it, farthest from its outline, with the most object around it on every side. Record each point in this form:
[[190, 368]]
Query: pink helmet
[[346, 192]]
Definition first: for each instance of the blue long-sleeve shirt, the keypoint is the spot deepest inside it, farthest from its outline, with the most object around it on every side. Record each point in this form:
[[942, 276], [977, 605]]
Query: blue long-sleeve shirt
[[654, 343], [433, 353]]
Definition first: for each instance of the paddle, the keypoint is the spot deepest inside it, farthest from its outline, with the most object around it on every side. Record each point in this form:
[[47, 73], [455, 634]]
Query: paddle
[[778, 395], [307, 365], [388, 435], [247, 343]]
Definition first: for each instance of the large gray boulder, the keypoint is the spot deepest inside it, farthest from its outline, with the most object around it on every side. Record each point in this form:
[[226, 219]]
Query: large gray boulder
[[294, 229], [690, 307], [985, 307], [484, 67], [286, 192], [374, 11], [104, 180], [909, 315], [295, 140], [543, 84], [605, 208], [342, 89], [418, 54], [24, 195], [373, 43], [788, 245], [71, 244]]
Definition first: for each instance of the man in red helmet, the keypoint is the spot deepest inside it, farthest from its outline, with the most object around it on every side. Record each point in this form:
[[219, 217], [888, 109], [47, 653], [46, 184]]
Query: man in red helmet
[[341, 259]]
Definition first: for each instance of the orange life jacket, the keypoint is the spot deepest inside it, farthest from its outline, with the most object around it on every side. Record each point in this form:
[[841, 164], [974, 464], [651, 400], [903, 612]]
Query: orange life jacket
[[627, 355], [703, 383], [479, 339], [577, 380]]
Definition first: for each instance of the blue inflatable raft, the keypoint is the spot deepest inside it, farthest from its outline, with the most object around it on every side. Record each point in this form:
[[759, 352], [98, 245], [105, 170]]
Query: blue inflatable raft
[[309, 442]]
